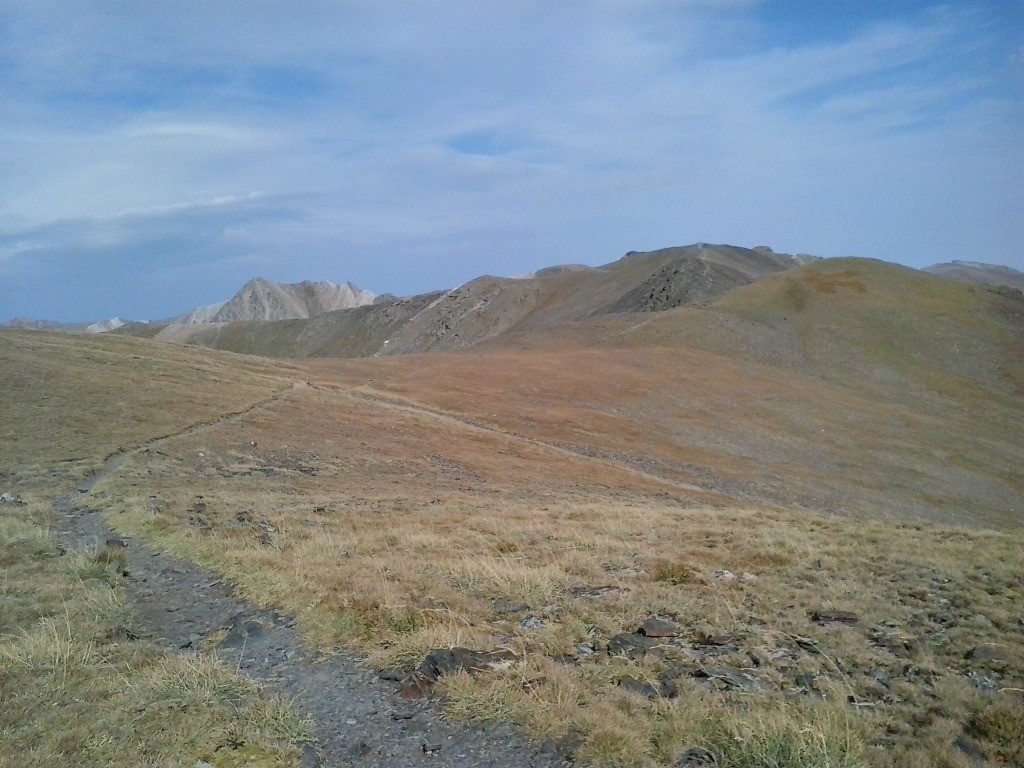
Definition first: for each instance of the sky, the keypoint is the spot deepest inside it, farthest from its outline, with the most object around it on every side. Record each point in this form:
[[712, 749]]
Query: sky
[[156, 155]]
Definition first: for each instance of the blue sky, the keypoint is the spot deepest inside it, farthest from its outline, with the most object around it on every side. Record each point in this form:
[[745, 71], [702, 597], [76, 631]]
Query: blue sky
[[156, 155]]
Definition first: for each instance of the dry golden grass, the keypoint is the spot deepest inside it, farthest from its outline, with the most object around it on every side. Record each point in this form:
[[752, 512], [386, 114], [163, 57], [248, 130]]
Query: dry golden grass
[[69, 402], [396, 504], [399, 530], [76, 690]]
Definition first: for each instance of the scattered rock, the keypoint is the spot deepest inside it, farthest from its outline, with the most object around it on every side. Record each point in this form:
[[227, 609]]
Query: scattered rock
[[532, 622], [805, 679], [889, 638], [659, 628], [694, 757], [431, 747], [987, 654], [10, 498], [986, 684], [724, 576], [970, 749], [709, 638], [834, 617], [584, 650], [730, 679], [593, 593], [394, 675], [749, 578], [448, 661], [631, 646], [504, 606], [860, 703], [639, 687], [806, 644], [445, 661], [880, 677]]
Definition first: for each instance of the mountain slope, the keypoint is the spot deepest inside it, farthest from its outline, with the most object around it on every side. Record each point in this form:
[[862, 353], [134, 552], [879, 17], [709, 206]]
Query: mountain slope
[[744, 466], [261, 299], [975, 272], [202, 314], [489, 307], [358, 332], [848, 385]]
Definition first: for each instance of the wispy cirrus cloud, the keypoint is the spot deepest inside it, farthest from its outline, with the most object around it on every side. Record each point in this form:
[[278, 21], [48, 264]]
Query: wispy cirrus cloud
[[411, 146]]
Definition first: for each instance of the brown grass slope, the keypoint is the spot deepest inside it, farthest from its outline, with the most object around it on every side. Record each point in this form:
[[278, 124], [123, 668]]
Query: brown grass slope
[[69, 403], [76, 685], [403, 503], [489, 307], [845, 385]]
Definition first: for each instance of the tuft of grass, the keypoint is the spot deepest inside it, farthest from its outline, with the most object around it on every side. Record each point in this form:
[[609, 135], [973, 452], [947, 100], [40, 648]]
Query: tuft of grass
[[74, 692], [675, 574], [397, 578], [998, 726], [817, 737]]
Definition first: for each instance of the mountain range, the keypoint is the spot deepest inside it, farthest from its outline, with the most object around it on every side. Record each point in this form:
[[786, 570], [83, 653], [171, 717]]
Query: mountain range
[[811, 466], [258, 299], [639, 282], [487, 307]]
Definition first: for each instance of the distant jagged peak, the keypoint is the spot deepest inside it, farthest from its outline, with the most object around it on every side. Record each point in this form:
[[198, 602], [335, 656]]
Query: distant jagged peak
[[104, 326], [263, 299], [51, 325], [198, 315]]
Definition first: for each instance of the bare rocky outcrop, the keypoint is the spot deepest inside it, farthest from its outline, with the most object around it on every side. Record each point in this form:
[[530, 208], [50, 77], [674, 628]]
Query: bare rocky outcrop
[[202, 314], [261, 299]]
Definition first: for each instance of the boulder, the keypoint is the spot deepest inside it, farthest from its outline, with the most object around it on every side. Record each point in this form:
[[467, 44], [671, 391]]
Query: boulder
[[694, 757], [592, 593], [639, 687], [654, 627], [834, 617], [448, 661], [632, 646]]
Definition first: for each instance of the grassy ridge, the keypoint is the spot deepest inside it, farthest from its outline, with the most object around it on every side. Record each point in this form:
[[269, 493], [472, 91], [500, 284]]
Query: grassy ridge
[[398, 504], [76, 688], [409, 549]]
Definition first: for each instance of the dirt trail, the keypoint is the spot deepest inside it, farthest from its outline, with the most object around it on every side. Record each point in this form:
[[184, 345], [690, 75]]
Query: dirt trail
[[394, 402], [359, 720]]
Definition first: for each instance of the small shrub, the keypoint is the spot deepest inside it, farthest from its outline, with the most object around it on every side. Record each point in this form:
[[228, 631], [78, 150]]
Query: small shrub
[[675, 574], [1000, 729]]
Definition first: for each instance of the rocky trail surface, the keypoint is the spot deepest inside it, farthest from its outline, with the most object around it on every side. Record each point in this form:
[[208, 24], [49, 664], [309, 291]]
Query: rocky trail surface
[[360, 720]]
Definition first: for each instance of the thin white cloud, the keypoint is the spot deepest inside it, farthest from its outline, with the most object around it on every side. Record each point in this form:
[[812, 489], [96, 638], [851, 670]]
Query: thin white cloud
[[469, 134]]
